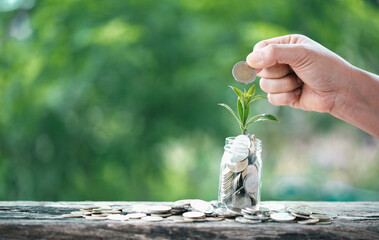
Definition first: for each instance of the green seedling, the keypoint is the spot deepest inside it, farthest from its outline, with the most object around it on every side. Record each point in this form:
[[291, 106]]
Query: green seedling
[[244, 99]]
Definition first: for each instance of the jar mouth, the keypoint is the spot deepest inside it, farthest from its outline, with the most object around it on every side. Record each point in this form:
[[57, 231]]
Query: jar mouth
[[229, 142]]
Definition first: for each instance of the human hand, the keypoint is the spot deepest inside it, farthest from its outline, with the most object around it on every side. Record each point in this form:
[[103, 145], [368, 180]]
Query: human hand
[[299, 72]]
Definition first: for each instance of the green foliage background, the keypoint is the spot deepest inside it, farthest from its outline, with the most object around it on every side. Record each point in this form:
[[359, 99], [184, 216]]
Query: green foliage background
[[117, 100]]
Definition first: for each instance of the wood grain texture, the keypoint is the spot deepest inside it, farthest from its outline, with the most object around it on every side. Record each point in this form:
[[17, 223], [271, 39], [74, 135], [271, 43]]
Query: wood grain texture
[[42, 220]]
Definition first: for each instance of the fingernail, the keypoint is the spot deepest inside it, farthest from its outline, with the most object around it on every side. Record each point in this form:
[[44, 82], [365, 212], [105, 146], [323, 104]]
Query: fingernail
[[254, 59], [297, 92]]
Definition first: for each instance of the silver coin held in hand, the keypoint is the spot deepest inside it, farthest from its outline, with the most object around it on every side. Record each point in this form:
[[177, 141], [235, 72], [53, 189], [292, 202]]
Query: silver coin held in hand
[[243, 73]]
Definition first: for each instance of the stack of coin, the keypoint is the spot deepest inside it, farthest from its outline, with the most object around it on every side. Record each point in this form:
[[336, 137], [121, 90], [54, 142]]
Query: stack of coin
[[309, 215], [240, 174], [196, 210], [94, 212], [254, 215]]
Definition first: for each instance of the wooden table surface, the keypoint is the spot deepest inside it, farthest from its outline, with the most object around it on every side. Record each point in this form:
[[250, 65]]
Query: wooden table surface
[[42, 220]]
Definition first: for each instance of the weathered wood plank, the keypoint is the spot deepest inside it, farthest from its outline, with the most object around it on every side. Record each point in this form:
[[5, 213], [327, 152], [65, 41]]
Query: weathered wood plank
[[42, 220]]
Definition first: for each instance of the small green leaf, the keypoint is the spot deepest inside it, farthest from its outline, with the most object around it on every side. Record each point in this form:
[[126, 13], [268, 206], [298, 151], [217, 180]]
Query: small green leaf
[[231, 111], [247, 111], [257, 98], [260, 97], [237, 91], [240, 109], [261, 118], [251, 91]]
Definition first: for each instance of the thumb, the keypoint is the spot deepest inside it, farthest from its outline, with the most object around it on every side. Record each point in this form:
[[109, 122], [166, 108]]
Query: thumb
[[272, 54]]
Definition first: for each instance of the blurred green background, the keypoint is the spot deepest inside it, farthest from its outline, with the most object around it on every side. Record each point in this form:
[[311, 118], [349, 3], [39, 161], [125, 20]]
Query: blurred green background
[[117, 100]]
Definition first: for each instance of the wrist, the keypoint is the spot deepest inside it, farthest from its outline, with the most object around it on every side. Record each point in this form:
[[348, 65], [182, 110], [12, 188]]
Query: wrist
[[356, 101], [344, 99]]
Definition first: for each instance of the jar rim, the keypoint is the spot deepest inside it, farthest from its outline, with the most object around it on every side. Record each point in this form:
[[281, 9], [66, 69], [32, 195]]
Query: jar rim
[[258, 143]]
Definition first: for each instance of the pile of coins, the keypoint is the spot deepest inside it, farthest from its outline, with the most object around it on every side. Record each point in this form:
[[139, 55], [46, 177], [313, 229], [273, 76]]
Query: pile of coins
[[240, 173], [196, 210]]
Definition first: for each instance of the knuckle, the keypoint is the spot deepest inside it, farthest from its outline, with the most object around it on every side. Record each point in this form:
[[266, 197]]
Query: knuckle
[[272, 49], [260, 45], [304, 49], [299, 36]]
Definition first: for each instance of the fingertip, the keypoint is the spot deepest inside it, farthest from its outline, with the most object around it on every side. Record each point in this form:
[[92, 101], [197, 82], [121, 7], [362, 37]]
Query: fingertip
[[254, 60], [269, 98]]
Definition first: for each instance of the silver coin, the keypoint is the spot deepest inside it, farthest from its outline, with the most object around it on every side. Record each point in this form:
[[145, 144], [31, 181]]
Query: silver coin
[[226, 173], [274, 206], [202, 206], [226, 194], [163, 215], [309, 221], [213, 219], [244, 211], [300, 216], [237, 167], [236, 181], [243, 73], [244, 220], [238, 153], [282, 217], [98, 215], [316, 210], [224, 213], [242, 140], [252, 148], [302, 210], [152, 219], [236, 211], [136, 215], [86, 213], [332, 215], [140, 208], [95, 218], [256, 217], [250, 183], [241, 200], [159, 209], [193, 215], [227, 183], [249, 169], [117, 217], [172, 218], [230, 219], [111, 212], [127, 209], [320, 217]]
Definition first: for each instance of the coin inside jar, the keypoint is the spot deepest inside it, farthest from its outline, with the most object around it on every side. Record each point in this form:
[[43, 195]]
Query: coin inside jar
[[243, 73], [238, 166]]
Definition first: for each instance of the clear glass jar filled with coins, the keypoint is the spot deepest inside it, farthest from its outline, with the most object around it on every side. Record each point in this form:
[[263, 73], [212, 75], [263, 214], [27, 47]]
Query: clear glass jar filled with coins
[[240, 173], [241, 164]]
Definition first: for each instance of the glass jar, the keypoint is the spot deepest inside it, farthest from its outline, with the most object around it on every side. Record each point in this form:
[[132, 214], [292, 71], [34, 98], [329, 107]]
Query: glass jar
[[240, 173]]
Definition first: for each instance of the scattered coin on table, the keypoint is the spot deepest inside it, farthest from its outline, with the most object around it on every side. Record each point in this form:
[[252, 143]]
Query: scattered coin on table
[[198, 211]]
